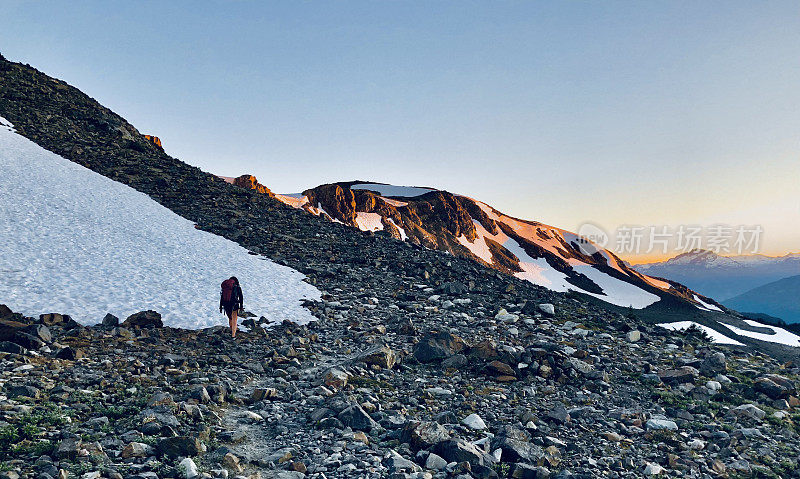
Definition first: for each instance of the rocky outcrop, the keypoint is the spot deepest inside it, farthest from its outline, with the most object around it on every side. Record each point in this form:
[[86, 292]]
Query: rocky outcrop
[[249, 182]]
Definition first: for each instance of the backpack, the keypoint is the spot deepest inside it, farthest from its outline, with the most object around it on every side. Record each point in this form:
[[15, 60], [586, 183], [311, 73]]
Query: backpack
[[227, 290]]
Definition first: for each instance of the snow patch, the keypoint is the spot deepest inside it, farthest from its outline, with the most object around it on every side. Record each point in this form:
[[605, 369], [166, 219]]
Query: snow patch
[[369, 221], [779, 335], [616, 291], [716, 336], [6, 125], [78, 243], [657, 282], [706, 306], [392, 190]]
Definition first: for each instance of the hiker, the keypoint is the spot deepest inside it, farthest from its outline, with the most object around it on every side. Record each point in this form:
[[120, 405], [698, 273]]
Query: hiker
[[231, 301]]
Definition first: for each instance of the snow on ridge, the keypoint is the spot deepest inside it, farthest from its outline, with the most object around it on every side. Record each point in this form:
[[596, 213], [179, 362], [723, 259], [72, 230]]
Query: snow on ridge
[[538, 271], [85, 245], [6, 125], [716, 336], [706, 306], [780, 335], [400, 229], [395, 203], [616, 291], [392, 190], [295, 200]]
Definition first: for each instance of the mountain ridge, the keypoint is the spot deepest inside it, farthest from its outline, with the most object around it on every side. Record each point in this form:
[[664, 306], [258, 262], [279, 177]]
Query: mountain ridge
[[463, 226], [777, 299]]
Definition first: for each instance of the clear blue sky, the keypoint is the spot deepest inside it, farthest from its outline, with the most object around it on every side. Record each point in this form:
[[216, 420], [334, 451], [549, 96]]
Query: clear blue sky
[[616, 112]]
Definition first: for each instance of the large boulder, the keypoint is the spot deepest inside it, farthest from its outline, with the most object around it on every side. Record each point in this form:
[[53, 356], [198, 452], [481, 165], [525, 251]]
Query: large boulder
[[53, 319], [144, 319], [459, 450], [437, 346], [28, 341], [69, 448], [41, 332], [424, 435], [356, 418], [249, 182], [380, 355], [714, 364], [110, 321], [9, 329], [516, 447], [775, 386], [9, 347], [180, 446], [684, 374]]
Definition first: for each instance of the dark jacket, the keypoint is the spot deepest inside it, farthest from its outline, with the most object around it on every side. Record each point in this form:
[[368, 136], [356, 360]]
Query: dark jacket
[[236, 298]]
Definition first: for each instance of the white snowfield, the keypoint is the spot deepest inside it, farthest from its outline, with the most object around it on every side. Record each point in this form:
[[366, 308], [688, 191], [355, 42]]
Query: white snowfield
[[777, 335], [78, 243], [716, 337]]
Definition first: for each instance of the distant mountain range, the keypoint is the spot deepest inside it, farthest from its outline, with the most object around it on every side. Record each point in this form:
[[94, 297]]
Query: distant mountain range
[[723, 277], [544, 255], [780, 299]]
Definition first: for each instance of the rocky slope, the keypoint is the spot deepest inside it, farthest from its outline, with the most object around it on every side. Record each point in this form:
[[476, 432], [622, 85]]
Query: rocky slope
[[421, 363], [366, 392]]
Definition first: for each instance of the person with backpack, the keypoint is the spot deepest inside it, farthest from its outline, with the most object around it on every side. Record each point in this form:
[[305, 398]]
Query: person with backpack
[[231, 301]]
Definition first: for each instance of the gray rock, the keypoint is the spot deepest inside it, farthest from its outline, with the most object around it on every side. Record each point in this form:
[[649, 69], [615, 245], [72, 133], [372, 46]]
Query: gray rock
[[188, 469], [356, 418], [750, 411], [180, 446], [438, 346], [110, 321], [40, 332], [424, 435], [69, 448], [548, 309], [714, 364], [558, 414], [684, 374], [435, 462], [659, 423], [380, 355], [474, 422], [458, 450]]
